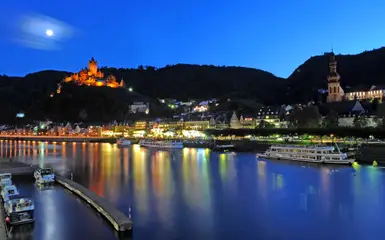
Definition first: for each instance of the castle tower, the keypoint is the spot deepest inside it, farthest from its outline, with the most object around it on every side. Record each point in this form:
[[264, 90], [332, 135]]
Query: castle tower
[[335, 92], [93, 66]]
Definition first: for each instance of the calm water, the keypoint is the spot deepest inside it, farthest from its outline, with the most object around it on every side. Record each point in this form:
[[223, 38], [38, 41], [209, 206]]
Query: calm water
[[199, 194], [59, 215]]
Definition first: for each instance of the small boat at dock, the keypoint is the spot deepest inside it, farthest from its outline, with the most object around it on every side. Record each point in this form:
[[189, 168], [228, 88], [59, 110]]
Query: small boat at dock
[[44, 176], [19, 210], [8, 192]]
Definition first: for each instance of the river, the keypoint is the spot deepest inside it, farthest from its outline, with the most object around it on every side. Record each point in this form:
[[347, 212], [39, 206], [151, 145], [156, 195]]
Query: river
[[200, 194]]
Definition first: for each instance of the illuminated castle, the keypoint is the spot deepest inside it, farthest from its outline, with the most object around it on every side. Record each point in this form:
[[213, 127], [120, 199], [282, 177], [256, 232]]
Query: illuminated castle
[[93, 77]]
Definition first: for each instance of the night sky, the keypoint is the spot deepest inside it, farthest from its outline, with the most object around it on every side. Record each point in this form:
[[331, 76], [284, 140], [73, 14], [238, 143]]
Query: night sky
[[273, 35]]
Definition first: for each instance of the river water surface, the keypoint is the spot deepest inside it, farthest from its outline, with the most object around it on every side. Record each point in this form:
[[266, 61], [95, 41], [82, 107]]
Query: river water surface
[[200, 194]]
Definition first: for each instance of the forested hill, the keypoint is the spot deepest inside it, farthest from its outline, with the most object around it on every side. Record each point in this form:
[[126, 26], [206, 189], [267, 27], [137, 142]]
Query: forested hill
[[184, 81], [364, 69]]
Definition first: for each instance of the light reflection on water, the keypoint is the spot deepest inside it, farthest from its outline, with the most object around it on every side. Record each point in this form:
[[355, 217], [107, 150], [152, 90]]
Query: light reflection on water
[[199, 194]]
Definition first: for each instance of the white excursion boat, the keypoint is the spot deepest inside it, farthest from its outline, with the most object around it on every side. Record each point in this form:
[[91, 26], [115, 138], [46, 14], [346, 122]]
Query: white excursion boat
[[161, 144], [123, 142], [5, 179], [314, 154], [44, 176], [8, 192], [19, 211]]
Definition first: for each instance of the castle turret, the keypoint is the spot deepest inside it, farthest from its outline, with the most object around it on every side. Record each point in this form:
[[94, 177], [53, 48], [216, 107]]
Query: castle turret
[[335, 92], [93, 66]]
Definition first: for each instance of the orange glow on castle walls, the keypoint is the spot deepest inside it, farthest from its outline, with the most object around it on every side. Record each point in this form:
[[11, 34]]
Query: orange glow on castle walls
[[93, 77]]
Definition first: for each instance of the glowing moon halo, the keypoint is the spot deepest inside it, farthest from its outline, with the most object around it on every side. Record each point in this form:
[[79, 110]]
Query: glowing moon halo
[[49, 32]]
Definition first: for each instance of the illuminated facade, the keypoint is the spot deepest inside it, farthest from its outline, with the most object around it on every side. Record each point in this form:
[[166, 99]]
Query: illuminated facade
[[374, 92], [337, 94], [140, 107], [196, 125], [93, 77]]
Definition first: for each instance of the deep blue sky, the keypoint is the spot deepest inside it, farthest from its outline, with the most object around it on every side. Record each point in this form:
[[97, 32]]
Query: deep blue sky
[[273, 35]]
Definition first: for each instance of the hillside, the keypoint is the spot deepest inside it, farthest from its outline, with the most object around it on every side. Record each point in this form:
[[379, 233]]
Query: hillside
[[366, 69], [183, 81]]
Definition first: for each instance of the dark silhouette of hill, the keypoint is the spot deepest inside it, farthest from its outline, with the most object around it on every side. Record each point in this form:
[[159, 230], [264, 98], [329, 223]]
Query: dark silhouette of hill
[[364, 69], [181, 81], [31, 93]]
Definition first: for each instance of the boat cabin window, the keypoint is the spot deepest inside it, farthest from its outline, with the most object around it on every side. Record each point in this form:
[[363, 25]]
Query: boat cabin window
[[11, 191]]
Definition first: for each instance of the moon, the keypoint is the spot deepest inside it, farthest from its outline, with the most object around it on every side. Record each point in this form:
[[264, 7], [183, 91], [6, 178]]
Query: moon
[[49, 32]]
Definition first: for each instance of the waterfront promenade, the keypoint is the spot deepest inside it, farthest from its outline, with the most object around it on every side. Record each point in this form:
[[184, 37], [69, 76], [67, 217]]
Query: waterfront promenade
[[57, 138], [52, 138]]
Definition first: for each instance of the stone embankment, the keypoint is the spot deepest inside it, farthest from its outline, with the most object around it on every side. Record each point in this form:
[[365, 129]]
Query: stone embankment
[[119, 221]]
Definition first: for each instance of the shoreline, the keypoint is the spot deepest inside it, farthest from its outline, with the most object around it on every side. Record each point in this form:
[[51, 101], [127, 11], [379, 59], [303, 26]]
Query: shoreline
[[366, 152]]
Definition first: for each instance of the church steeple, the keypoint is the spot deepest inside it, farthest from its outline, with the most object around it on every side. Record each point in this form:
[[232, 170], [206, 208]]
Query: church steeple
[[335, 92]]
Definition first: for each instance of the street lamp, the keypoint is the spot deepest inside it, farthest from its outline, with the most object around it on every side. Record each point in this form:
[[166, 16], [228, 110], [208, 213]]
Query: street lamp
[[130, 89]]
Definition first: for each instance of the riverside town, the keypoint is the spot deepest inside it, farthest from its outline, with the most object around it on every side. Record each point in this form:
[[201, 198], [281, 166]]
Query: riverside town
[[353, 116], [198, 143]]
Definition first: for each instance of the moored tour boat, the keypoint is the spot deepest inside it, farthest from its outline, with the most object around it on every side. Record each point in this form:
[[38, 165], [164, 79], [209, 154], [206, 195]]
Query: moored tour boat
[[161, 144], [314, 154]]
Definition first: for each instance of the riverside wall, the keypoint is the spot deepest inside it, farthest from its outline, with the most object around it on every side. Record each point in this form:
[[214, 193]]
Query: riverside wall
[[119, 221]]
